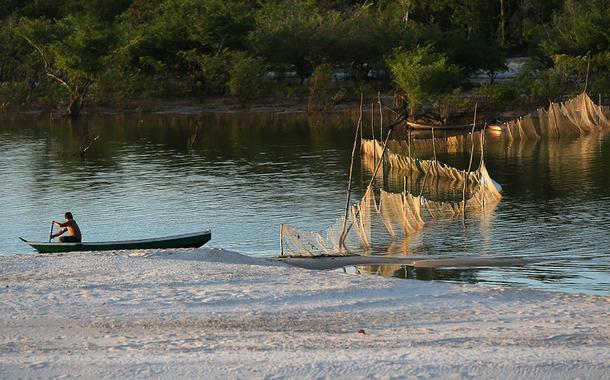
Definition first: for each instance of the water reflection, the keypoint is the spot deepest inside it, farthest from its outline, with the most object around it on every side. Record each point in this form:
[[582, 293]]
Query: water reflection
[[244, 174], [468, 275]]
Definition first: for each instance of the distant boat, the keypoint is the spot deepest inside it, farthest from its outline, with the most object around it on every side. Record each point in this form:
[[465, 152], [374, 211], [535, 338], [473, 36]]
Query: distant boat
[[192, 240]]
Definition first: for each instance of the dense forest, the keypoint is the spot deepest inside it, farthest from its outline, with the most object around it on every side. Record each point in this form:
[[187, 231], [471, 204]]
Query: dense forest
[[61, 53]]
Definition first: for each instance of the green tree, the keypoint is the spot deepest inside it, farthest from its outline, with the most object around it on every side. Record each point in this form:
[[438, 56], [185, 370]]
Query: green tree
[[74, 50], [174, 38], [320, 88], [575, 40], [422, 75], [360, 39], [246, 77], [474, 53], [292, 34]]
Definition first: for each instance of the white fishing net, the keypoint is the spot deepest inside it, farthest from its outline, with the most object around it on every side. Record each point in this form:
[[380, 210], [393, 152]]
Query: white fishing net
[[398, 216], [394, 217], [434, 168], [578, 116]]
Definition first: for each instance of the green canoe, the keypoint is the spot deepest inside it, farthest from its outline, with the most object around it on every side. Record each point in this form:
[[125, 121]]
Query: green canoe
[[192, 240]]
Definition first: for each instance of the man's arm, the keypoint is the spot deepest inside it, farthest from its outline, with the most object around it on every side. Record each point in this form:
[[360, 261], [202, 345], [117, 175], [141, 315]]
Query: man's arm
[[59, 224], [58, 233]]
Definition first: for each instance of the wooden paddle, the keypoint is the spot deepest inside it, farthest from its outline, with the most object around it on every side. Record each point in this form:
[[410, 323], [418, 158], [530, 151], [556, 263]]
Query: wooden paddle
[[51, 233]]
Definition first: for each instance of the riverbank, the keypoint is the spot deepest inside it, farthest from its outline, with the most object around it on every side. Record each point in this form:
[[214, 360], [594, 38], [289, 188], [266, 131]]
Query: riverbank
[[226, 105], [195, 106], [213, 313]]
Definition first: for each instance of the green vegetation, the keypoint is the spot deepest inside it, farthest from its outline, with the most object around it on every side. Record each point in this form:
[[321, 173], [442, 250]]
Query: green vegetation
[[423, 75], [68, 52]]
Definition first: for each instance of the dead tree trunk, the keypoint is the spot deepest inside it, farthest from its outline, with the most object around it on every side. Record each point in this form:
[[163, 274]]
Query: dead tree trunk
[[77, 96], [77, 86]]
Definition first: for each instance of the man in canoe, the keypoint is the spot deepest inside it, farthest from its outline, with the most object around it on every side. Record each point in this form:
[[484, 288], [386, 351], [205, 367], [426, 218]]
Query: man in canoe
[[69, 226]]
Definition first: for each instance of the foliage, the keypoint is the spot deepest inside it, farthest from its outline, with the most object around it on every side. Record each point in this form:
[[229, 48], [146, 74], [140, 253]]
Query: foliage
[[362, 39], [449, 103], [17, 63], [422, 75], [538, 84], [247, 78], [216, 72], [320, 88], [581, 28], [475, 53], [75, 51], [133, 49], [174, 38], [499, 96], [292, 33], [575, 40]]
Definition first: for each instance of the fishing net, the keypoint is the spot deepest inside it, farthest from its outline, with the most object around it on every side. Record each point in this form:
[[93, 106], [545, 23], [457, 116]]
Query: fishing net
[[578, 116], [395, 217], [398, 216], [434, 168], [426, 146]]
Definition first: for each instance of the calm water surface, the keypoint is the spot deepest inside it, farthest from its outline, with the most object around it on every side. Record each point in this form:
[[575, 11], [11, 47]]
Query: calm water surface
[[242, 175]]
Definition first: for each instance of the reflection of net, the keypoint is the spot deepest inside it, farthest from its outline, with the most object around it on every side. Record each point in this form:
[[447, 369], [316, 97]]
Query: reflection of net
[[575, 117], [396, 217]]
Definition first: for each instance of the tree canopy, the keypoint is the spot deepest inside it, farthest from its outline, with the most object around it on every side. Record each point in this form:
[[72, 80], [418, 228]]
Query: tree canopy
[[199, 48]]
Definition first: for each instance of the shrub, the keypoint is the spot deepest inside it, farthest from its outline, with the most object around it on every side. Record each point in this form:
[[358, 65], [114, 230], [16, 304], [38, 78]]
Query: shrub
[[422, 75], [499, 95], [320, 88], [247, 78]]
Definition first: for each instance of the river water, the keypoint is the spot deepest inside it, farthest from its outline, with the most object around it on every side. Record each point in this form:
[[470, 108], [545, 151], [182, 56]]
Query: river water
[[243, 174]]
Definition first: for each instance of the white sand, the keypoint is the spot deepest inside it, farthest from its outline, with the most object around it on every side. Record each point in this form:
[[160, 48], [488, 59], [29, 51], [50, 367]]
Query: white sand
[[216, 314]]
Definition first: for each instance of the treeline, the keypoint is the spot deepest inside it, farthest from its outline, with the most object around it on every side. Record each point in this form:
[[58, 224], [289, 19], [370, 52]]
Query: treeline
[[108, 51]]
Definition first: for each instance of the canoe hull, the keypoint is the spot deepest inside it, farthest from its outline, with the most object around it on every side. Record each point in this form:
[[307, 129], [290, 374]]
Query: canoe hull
[[194, 240], [426, 127]]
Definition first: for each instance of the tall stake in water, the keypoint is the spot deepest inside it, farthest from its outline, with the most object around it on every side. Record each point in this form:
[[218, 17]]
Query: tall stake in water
[[380, 113], [588, 65], [474, 122], [373, 132], [397, 121], [349, 180]]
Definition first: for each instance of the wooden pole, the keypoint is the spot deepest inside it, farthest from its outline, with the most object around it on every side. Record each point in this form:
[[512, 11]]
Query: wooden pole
[[554, 118], [380, 113], [483, 158], [587, 76], [281, 239], [373, 121], [349, 187], [368, 188], [423, 185], [433, 145], [599, 102], [360, 120], [373, 134], [410, 141], [474, 122], [435, 159]]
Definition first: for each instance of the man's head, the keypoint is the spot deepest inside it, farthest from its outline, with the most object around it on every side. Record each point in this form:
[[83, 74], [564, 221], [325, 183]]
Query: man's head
[[68, 216]]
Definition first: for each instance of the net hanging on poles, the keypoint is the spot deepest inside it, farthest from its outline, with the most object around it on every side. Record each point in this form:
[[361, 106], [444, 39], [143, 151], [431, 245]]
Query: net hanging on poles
[[433, 168], [578, 116], [394, 217]]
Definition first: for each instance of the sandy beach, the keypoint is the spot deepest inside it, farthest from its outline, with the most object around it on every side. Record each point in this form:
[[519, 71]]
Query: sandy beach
[[211, 313]]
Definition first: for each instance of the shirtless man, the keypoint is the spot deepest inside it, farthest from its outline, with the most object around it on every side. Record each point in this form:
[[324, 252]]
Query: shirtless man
[[71, 227]]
